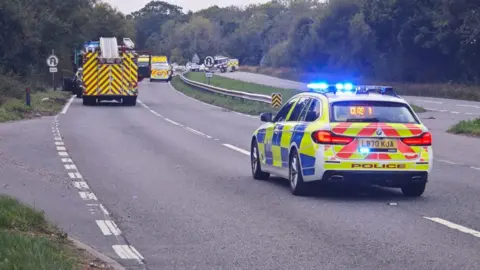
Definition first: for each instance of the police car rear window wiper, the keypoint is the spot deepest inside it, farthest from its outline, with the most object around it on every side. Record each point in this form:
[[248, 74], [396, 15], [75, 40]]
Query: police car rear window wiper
[[373, 120]]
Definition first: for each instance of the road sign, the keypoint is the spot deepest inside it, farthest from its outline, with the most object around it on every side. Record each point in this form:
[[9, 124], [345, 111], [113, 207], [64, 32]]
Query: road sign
[[52, 61], [276, 100], [209, 61], [208, 74], [53, 70]]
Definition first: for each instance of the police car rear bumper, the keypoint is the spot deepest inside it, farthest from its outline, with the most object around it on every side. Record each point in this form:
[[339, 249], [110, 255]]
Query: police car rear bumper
[[381, 178]]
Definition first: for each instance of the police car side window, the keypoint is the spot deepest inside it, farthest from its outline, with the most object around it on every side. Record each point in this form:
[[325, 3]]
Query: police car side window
[[314, 111], [282, 114], [299, 107]]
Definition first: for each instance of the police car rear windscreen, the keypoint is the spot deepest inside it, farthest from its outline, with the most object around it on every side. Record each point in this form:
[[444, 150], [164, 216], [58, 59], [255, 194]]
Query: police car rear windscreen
[[371, 112]]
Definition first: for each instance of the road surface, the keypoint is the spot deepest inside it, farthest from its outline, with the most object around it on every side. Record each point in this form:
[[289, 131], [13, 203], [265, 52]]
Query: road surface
[[174, 175]]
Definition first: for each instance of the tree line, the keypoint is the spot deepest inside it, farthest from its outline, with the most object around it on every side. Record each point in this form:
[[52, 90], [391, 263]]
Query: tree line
[[392, 40], [30, 30]]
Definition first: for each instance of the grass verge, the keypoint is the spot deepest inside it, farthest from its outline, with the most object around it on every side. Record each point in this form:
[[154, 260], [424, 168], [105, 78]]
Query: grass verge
[[42, 104], [27, 241], [418, 109], [467, 127], [230, 103], [240, 85], [451, 91]]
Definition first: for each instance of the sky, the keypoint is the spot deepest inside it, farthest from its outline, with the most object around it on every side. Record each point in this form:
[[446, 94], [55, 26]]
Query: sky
[[128, 6]]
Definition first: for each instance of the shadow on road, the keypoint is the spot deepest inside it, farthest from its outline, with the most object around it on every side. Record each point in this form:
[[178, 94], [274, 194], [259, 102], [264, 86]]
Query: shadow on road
[[348, 192]]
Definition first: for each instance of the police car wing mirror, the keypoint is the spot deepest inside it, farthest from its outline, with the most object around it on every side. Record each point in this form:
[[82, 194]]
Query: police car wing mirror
[[266, 117]]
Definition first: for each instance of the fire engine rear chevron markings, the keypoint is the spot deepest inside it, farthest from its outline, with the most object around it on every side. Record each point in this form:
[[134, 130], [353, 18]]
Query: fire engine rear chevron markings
[[276, 100], [90, 69]]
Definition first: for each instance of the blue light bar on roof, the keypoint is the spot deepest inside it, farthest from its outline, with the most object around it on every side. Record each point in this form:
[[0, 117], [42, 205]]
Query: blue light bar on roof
[[343, 87], [92, 44]]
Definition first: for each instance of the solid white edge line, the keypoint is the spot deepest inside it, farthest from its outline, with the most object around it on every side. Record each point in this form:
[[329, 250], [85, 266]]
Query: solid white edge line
[[454, 226], [65, 108], [240, 150], [104, 210]]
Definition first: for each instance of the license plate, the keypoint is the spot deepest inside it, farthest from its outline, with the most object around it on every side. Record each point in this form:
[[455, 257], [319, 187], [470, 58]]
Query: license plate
[[378, 144]]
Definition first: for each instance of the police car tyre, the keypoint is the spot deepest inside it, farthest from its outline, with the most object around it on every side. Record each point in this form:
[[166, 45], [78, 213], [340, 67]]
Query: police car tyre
[[414, 190], [129, 101], [295, 177], [255, 163]]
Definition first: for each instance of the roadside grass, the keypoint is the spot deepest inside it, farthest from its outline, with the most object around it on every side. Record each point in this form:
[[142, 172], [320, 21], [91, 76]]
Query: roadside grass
[[467, 127], [27, 241], [232, 84], [43, 103], [229, 103], [418, 109], [438, 90]]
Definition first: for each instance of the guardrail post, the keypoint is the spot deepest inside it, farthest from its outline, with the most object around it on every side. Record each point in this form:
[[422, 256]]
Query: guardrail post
[[27, 96]]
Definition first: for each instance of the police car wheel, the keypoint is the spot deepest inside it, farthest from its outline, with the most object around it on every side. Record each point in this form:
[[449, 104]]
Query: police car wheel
[[414, 190], [255, 163], [295, 177]]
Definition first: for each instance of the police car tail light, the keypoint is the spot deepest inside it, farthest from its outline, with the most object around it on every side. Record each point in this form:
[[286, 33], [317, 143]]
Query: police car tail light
[[424, 140], [327, 137]]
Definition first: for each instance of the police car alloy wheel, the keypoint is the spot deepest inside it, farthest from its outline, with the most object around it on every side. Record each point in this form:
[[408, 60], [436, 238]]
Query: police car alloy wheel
[[295, 177], [257, 172]]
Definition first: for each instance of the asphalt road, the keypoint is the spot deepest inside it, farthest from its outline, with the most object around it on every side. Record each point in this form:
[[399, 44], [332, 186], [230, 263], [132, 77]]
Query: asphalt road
[[174, 175]]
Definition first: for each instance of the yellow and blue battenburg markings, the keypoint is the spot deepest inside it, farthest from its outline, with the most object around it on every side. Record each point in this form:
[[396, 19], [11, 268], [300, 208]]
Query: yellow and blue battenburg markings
[[278, 153]]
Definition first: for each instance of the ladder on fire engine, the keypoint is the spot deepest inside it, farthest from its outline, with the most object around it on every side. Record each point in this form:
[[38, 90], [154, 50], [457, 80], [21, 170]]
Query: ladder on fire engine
[[109, 48]]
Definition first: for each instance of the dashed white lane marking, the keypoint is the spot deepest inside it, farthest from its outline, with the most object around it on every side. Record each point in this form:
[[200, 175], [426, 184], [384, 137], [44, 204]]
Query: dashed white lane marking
[[74, 175], [127, 252], [65, 108], [108, 227], [198, 132], [470, 106], [454, 226], [475, 168], [429, 101], [240, 150], [87, 196], [172, 122], [454, 112], [448, 161], [81, 185], [70, 167]]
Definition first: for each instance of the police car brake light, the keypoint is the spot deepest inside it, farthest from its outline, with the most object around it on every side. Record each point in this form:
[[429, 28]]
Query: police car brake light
[[423, 140], [327, 137]]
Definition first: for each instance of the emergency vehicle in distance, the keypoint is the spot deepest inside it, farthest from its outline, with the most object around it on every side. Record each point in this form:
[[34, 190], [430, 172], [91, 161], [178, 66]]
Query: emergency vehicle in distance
[[144, 68], [110, 71], [225, 64], [344, 133], [161, 69]]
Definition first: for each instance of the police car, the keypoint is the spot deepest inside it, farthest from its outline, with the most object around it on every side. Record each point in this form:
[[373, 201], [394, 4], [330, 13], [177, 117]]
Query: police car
[[344, 133]]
